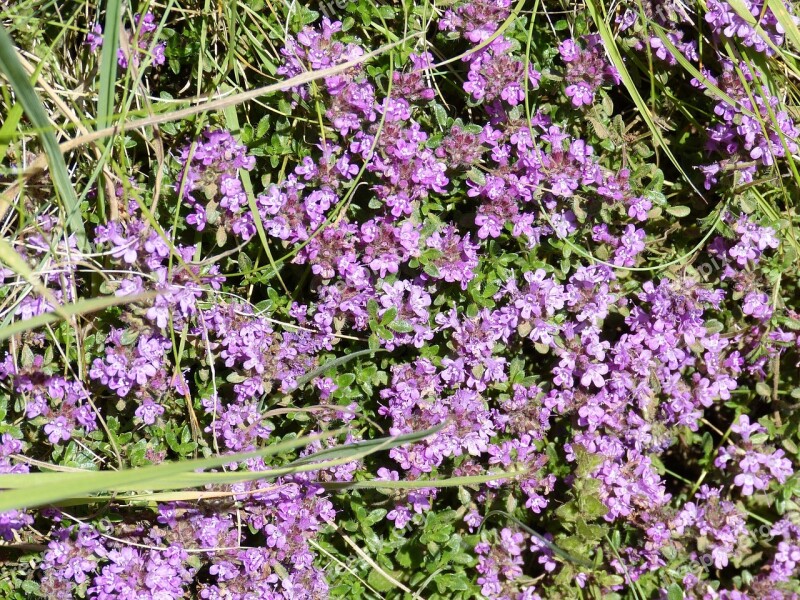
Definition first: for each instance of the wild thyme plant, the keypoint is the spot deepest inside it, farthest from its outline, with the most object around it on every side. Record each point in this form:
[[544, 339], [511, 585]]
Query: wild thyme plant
[[551, 244]]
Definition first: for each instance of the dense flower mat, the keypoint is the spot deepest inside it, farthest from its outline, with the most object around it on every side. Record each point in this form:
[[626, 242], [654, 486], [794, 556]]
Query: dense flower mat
[[560, 237]]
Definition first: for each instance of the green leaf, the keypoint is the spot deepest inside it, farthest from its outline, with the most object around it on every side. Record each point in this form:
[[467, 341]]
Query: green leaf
[[586, 462], [762, 389], [262, 127], [345, 380], [450, 582], [674, 592], [401, 326], [432, 270], [440, 114], [379, 582], [245, 262], [593, 507], [568, 512], [375, 516], [404, 557], [129, 337], [591, 532], [389, 316], [372, 309], [332, 364], [678, 211], [476, 175]]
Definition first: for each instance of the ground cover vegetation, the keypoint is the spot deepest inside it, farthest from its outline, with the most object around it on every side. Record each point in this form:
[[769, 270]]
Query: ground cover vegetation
[[396, 299]]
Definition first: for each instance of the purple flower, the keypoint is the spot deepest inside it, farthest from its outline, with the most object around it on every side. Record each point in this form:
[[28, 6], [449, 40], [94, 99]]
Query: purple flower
[[580, 93], [745, 429], [141, 40], [94, 39], [149, 411], [494, 75], [587, 70], [749, 482], [13, 521], [727, 22], [57, 430], [757, 305]]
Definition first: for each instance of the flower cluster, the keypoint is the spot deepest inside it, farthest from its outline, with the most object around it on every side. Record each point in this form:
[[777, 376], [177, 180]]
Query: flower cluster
[[494, 75], [757, 464], [154, 560], [717, 524], [60, 404], [740, 135], [210, 169], [137, 45], [587, 69], [500, 563], [476, 21], [13, 521], [727, 20]]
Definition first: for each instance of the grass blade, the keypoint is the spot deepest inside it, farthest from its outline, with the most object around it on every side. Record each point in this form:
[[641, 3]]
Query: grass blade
[[694, 72], [9, 127], [610, 45], [81, 307], [10, 66], [37, 489], [25, 490], [108, 81], [385, 484], [108, 64], [785, 19], [380, 443]]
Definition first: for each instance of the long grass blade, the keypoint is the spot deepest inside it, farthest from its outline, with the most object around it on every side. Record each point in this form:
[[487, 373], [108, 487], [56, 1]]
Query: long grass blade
[[108, 64], [108, 80], [786, 21], [9, 127], [37, 489], [10, 66], [25, 490], [695, 72], [611, 48], [66, 311], [385, 484]]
